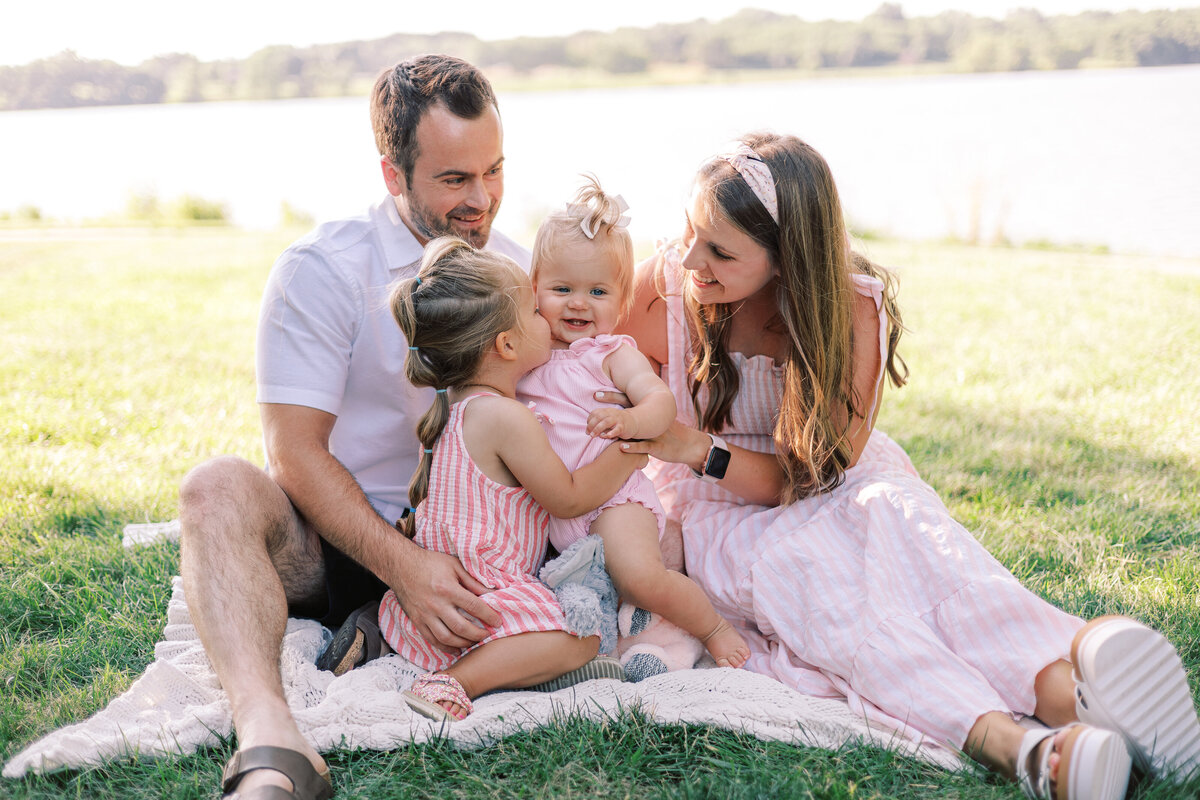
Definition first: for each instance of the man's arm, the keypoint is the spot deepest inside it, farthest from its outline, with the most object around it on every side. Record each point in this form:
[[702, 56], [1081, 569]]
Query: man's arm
[[432, 587]]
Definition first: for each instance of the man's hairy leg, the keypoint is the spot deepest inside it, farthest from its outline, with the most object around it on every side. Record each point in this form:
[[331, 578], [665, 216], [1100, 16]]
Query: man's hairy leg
[[245, 553]]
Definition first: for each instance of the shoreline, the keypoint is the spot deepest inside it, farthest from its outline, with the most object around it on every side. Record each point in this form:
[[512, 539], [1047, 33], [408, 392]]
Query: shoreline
[[1167, 264], [558, 79]]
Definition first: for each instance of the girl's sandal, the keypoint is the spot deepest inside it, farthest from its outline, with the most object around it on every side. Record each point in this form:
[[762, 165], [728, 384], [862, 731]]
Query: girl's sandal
[[430, 690], [1093, 764], [1130, 679]]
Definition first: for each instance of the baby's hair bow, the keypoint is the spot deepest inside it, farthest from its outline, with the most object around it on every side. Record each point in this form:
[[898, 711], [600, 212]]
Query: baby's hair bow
[[589, 222]]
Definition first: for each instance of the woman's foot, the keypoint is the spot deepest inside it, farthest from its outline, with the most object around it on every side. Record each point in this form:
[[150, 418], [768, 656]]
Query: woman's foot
[[438, 696], [726, 646], [1130, 679], [1077, 762]]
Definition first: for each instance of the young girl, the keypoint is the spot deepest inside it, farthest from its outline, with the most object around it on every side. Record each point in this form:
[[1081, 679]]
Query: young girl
[[488, 476], [846, 571], [583, 276]]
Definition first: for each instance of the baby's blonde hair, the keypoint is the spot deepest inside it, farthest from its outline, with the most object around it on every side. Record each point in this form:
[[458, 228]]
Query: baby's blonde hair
[[601, 213], [451, 314]]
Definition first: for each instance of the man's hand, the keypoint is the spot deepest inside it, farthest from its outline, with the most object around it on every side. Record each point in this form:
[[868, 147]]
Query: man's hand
[[441, 597]]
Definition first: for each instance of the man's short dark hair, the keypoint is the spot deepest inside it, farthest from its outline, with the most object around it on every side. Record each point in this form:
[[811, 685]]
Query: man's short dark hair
[[403, 94]]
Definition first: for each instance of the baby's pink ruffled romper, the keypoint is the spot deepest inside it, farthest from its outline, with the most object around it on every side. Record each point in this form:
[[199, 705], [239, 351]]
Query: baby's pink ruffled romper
[[562, 392]]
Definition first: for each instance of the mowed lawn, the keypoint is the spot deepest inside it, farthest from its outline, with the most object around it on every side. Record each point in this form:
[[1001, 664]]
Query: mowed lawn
[[1053, 404]]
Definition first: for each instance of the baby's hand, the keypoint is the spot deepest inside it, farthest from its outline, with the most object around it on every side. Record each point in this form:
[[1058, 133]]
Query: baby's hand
[[612, 423]]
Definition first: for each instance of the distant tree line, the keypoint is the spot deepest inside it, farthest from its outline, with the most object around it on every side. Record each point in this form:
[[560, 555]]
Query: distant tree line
[[749, 40]]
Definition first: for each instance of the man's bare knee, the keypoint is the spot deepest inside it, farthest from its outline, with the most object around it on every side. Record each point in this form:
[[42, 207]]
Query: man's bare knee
[[229, 496], [232, 509]]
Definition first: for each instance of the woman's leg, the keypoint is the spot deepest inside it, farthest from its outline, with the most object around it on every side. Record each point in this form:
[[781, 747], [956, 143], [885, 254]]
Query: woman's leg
[[1075, 761], [634, 561], [994, 741], [1054, 689]]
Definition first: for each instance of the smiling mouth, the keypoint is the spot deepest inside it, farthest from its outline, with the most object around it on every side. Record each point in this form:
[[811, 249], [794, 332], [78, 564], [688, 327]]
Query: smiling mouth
[[702, 282], [468, 217], [577, 323]]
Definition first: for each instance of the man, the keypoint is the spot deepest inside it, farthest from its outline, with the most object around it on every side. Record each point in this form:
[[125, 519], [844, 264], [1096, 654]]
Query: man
[[313, 534]]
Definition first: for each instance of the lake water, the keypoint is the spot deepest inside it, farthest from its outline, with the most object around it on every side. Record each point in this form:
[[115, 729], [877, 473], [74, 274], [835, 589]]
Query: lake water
[[1095, 157]]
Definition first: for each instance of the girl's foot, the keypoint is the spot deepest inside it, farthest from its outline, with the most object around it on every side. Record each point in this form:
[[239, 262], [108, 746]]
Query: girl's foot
[[438, 696], [1077, 762], [726, 646], [1130, 679]]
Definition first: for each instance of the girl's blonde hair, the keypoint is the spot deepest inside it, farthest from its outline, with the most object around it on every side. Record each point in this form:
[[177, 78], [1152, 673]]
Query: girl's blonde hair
[[815, 300], [600, 213], [451, 314]]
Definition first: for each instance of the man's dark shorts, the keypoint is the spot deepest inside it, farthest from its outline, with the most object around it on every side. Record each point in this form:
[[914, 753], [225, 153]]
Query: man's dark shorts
[[348, 586]]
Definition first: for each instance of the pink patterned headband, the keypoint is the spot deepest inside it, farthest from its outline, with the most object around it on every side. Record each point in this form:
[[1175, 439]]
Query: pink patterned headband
[[757, 176]]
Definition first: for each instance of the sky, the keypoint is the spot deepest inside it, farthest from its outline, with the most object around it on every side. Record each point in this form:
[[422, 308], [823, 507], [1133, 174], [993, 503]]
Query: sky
[[130, 31]]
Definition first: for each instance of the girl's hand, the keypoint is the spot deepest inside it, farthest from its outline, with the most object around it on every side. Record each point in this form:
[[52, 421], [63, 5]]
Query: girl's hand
[[679, 445], [612, 423]]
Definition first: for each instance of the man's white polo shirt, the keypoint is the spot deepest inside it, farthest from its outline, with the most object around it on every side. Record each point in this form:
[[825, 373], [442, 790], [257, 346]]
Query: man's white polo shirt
[[327, 340]]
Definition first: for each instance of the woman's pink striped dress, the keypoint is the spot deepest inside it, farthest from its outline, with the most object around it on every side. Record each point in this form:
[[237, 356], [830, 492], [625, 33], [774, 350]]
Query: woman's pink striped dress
[[499, 534], [870, 592]]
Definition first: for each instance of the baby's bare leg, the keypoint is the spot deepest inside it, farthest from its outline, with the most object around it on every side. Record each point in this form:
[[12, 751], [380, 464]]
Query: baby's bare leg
[[631, 554]]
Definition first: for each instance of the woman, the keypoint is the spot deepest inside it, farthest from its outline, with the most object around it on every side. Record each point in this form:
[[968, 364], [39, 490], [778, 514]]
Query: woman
[[812, 532]]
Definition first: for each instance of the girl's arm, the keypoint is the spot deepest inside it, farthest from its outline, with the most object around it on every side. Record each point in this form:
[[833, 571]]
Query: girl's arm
[[508, 444], [653, 408]]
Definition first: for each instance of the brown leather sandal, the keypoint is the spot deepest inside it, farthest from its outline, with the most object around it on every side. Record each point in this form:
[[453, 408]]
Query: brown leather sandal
[[307, 783], [356, 642]]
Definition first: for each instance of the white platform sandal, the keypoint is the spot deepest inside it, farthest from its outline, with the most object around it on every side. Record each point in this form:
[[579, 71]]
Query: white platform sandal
[[1093, 765], [1128, 678]]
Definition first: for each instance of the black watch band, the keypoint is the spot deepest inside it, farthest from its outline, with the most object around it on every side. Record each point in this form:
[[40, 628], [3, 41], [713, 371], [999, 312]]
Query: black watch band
[[716, 462]]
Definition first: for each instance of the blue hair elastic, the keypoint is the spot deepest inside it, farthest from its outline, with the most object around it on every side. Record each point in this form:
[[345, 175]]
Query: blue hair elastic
[[407, 511], [418, 280], [414, 349], [441, 391], [429, 451]]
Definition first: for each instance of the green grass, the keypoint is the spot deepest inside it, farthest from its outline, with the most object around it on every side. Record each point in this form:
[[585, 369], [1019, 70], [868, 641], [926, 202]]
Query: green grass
[[1052, 405]]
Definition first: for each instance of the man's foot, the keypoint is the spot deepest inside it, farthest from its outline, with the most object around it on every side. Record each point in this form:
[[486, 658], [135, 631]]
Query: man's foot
[[356, 642], [726, 646], [261, 772]]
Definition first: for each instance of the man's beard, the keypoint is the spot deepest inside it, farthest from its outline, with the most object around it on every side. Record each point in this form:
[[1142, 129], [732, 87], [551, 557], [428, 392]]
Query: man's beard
[[430, 226]]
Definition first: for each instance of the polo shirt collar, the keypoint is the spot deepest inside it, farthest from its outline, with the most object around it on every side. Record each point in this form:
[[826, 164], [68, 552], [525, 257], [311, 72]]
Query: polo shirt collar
[[400, 247]]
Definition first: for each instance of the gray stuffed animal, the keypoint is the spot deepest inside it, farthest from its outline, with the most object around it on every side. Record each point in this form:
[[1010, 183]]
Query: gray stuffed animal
[[584, 590]]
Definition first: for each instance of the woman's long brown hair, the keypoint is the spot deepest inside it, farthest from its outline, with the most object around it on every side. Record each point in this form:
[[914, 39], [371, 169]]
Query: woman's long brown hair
[[815, 301]]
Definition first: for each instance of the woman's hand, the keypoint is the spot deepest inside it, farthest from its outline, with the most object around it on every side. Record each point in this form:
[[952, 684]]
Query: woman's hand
[[616, 398], [679, 445]]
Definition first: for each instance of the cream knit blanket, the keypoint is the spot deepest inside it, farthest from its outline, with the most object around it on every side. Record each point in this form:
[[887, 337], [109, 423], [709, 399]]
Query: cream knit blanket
[[177, 706]]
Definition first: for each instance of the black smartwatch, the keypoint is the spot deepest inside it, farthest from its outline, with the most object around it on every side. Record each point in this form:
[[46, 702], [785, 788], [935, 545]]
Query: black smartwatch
[[716, 462]]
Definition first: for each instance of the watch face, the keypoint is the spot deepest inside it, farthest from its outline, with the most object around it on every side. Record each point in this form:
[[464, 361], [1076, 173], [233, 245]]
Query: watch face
[[718, 462]]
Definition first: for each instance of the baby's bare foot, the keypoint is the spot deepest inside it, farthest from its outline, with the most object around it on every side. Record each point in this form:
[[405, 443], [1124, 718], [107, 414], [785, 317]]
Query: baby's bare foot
[[726, 646]]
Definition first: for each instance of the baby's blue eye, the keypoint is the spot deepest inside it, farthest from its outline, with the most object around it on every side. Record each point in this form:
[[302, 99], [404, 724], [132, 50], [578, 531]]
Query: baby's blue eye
[[599, 292]]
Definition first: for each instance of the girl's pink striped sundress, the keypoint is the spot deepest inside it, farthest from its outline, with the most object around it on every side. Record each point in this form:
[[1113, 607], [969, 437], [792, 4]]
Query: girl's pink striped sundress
[[499, 534]]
